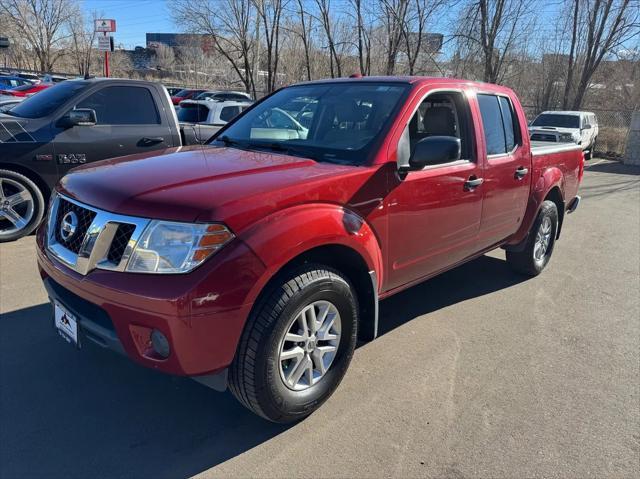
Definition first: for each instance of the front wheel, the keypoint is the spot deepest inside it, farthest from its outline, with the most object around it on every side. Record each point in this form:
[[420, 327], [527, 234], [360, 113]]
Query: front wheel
[[21, 205], [297, 345], [539, 244]]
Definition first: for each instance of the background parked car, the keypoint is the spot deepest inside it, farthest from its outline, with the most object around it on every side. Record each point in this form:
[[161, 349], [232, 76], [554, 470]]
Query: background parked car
[[25, 90], [72, 123], [10, 82], [224, 96], [174, 90], [185, 95], [579, 127], [207, 116]]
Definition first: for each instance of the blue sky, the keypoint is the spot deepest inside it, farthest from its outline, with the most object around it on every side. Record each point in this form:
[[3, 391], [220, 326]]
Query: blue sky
[[133, 18]]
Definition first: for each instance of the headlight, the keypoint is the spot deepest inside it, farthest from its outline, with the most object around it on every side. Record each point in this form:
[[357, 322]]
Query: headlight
[[567, 137], [170, 247]]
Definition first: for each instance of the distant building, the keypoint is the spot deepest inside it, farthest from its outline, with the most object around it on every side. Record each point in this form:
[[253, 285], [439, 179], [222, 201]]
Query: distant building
[[174, 40]]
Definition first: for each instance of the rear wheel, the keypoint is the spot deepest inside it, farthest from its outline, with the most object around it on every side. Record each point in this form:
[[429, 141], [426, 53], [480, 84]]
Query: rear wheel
[[297, 345], [540, 242], [21, 205]]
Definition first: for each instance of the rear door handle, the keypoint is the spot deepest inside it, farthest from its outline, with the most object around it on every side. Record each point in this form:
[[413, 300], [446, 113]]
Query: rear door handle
[[521, 172], [146, 141], [472, 183]]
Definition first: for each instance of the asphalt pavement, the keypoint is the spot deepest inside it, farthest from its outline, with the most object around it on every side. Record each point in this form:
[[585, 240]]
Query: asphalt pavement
[[478, 373]]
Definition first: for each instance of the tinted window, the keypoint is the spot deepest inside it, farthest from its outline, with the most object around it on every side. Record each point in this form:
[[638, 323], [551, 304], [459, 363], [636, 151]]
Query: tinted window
[[229, 112], [336, 122], [122, 105], [508, 123], [48, 100], [190, 113], [441, 114], [492, 123], [562, 121]]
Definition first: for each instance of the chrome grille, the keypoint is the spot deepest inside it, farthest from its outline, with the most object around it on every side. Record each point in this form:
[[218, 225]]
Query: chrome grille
[[101, 240], [120, 242], [544, 137], [85, 218]]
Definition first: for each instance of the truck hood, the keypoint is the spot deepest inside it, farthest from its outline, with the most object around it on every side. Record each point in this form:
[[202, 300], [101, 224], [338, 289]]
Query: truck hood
[[209, 183], [552, 129]]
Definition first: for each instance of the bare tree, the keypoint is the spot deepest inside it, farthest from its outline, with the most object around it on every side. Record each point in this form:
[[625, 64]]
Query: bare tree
[[415, 29], [327, 21], [164, 57], [305, 34], [364, 36], [269, 14], [42, 24], [231, 25], [608, 24], [393, 15], [497, 28], [82, 36]]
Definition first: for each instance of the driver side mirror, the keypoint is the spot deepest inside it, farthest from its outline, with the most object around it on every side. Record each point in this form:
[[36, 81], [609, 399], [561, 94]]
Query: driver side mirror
[[435, 150], [80, 117], [586, 127]]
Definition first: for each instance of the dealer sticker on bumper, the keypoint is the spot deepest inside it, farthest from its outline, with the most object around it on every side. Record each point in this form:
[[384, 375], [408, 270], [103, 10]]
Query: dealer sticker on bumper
[[66, 324]]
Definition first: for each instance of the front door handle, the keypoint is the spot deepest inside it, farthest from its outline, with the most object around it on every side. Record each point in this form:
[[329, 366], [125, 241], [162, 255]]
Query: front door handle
[[146, 141], [472, 183], [521, 172]]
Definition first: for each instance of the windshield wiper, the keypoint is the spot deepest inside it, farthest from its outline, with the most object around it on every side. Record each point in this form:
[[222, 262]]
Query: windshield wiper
[[288, 149], [227, 141]]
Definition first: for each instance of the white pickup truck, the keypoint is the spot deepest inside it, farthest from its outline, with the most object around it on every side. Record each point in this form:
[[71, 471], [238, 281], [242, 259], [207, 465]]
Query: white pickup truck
[[580, 127]]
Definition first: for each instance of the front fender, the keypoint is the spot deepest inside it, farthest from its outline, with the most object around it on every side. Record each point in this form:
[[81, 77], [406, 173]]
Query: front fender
[[279, 238], [549, 179]]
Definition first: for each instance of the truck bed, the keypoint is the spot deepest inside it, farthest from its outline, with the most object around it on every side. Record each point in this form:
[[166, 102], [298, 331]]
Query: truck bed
[[548, 147]]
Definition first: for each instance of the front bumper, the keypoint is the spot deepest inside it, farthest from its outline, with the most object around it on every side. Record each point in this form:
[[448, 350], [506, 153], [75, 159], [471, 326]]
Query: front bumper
[[201, 313]]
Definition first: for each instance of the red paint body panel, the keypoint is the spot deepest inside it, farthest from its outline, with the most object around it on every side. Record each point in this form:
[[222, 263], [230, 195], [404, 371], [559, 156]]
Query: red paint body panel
[[405, 227], [26, 90]]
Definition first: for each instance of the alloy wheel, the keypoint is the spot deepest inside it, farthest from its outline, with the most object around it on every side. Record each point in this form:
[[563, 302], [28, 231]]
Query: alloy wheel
[[17, 206], [309, 345], [543, 239]]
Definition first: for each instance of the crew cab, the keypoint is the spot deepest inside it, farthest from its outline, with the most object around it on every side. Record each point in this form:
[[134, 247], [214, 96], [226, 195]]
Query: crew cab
[[257, 261], [579, 127], [72, 123]]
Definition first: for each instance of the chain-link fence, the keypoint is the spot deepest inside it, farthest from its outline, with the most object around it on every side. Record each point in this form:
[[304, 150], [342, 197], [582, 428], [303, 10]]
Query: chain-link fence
[[613, 129]]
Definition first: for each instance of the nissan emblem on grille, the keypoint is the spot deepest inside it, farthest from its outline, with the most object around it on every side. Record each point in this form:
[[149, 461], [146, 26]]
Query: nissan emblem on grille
[[68, 225]]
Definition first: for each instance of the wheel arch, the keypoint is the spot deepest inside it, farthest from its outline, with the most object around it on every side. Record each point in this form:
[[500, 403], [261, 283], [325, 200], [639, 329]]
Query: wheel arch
[[348, 262], [555, 195], [32, 175]]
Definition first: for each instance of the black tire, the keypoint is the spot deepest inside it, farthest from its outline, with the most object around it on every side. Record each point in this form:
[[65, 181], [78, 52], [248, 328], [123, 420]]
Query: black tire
[[14, 180], [255, 377], [525, 261]]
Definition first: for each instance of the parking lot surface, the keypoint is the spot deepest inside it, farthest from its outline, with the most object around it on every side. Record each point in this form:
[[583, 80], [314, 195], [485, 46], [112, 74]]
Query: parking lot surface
[[478, 373]]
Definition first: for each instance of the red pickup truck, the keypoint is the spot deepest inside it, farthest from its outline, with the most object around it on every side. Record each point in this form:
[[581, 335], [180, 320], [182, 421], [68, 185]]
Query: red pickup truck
[[258, 260]]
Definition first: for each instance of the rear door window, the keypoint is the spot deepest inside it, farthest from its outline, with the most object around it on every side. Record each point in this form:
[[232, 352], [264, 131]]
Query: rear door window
[[492, 124], [501, 129], [193, 113], [122, 105], [228, 113], [509, 123]]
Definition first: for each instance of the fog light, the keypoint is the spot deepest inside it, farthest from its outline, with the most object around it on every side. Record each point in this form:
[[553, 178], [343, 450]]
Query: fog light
[[160, 344]]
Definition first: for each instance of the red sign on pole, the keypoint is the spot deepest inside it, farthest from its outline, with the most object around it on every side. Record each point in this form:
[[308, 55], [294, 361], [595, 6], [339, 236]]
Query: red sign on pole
[[105, 25]]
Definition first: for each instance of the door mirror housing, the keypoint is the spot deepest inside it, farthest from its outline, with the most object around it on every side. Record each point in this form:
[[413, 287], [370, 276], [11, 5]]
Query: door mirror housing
[[586, 127], [435, 150], [81, 117]]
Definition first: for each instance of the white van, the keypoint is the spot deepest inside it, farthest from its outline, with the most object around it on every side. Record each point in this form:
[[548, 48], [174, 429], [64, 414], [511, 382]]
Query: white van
[[579, 127]]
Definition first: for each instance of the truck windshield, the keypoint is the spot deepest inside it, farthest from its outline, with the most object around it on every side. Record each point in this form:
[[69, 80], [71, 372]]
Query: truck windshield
[[560, 121], [335, 122], [47, 101]]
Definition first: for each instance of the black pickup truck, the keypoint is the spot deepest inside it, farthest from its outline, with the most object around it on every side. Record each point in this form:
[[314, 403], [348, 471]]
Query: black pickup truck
[[72, 123]]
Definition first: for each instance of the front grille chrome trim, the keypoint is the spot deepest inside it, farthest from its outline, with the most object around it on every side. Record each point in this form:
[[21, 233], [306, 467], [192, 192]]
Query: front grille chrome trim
[[94, 252]]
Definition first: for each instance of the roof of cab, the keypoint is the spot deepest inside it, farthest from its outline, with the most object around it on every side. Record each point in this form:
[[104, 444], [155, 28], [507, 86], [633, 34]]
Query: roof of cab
[[412, 80]]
